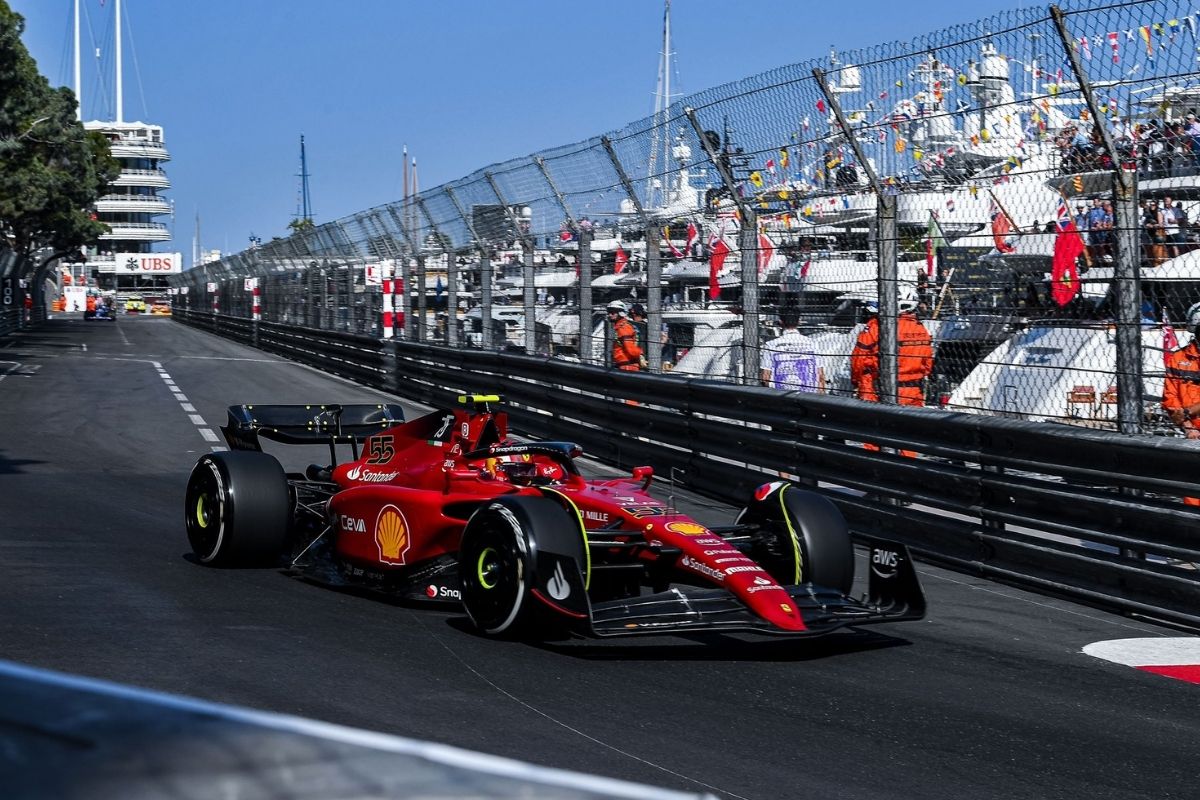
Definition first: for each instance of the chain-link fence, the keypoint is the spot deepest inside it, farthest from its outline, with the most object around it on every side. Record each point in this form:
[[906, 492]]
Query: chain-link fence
[[995, 217]]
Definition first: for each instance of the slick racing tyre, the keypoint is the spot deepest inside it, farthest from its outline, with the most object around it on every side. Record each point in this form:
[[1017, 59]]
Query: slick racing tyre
[[802, 538], [497, 563], [237, 509]]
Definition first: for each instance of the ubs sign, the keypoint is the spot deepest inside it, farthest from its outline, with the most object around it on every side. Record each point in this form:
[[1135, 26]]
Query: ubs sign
[[148, 263]]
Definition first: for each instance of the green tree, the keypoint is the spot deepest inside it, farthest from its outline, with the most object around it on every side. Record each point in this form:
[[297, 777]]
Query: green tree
[[301, 225], [51, 169]]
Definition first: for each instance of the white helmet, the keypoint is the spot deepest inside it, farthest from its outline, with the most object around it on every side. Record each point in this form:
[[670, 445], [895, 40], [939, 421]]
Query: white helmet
[[616, 305], [1193, 316], [907, 300]]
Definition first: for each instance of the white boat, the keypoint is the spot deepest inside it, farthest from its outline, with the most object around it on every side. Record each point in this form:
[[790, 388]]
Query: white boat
[[1059, 373]]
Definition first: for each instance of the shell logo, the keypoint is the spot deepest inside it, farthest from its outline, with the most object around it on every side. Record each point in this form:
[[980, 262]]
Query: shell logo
[[391, 535], [686, 528]]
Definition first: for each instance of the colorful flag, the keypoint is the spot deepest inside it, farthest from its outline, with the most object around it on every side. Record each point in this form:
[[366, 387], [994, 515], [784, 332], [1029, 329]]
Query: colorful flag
[[719, 251], [1087, 49], [1145, 34], [1001, 226], [821, 106], [566, 235], [783, 158], [693, 235], [933, 241], [676, 253], [950, 205], [1068, 246], [621, 261], [757, 179], [765, 251], [1170, 341], [804, 269], [1114, 41]]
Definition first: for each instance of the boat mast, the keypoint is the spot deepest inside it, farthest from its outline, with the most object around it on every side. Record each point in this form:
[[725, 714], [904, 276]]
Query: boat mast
[[305, 204], [120, 92], [660, 138], [78, 81]]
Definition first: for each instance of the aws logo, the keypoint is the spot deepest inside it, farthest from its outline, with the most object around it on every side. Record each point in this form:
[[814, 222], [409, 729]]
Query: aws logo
[[392, 535]]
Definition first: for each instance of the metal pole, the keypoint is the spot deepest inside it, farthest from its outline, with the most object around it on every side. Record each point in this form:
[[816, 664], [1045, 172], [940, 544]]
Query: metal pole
[[652, 347], [748, 244], [888, 280], [527, 277], [422, 335], [1127, 264], [451, 272], [616, 162], [485, 300], [585, 294], [485, 272]]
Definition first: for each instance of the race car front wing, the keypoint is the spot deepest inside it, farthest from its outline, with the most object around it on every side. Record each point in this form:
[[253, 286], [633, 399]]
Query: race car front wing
[[894, 594]]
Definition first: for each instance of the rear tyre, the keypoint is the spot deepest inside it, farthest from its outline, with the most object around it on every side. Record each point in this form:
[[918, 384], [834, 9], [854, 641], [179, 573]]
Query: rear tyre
[[237, 509], [802, 538], [497, 566]]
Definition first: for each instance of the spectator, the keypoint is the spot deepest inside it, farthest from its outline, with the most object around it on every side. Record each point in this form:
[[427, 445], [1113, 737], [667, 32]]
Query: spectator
[[789, 361], [1169, 223], [1098, 231]]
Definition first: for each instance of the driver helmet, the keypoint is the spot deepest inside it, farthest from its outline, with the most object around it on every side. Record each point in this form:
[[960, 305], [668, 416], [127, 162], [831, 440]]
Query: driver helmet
[[519, 472], [617, 306]]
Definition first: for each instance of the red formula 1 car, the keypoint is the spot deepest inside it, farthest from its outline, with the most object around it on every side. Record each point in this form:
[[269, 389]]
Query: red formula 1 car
[[448, 508]]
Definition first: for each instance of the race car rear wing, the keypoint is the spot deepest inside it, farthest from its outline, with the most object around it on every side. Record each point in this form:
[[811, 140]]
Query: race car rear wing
[[331, 424]]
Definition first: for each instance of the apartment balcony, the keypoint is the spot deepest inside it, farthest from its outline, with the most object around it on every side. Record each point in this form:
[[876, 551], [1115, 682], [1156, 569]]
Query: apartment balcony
[[139, 148], [143, 177], [132, 204], [136, 231]]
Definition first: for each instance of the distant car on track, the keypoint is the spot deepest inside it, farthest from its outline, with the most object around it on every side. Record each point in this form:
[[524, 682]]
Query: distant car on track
[[102, 311], [448, 508]]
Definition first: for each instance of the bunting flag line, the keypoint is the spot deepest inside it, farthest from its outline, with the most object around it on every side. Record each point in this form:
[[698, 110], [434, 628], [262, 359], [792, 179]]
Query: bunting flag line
[[1001, 227], [693, 236], [783, 158], [1114, 42]]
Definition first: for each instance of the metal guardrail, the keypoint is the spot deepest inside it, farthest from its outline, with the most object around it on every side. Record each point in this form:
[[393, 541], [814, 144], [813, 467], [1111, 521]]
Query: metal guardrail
[[1093, 515]]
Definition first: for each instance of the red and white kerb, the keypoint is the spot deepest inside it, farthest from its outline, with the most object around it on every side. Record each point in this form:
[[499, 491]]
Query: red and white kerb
[[1174, 657]]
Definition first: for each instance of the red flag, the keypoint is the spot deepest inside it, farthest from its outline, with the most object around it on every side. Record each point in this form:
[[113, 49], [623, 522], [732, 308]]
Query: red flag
[[622, 260], [1170, 340], [719, 251], [1064, 276], [692, 237], [676, 253], [821, 106], [765, 251], [1001, 226], [804, 269]]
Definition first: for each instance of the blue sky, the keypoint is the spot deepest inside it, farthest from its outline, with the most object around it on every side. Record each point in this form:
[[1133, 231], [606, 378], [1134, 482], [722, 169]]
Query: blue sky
[[464, 83]]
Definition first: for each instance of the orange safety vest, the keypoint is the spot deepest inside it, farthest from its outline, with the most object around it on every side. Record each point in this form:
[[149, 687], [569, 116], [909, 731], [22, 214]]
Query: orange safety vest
[[1182, 385], [625, 349], [914, 360]]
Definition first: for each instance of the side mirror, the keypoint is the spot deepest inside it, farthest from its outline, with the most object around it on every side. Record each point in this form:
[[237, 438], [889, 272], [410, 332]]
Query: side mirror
[[643, 474]]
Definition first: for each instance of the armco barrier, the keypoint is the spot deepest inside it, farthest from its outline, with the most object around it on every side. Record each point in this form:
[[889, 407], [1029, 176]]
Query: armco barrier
[[1093, 515]]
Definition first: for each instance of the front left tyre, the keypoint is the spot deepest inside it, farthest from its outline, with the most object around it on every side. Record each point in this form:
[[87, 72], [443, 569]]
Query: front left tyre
[[237, 509]]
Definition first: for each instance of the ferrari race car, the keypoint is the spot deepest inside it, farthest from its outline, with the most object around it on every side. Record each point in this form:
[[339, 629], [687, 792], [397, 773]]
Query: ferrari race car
[[448, 508]]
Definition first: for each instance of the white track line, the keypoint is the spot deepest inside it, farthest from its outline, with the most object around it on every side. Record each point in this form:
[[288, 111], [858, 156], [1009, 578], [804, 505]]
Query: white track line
[[438, 753]]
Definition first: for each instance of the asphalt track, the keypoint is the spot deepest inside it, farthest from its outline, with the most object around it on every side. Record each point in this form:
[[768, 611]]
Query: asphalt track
[[989, 697]]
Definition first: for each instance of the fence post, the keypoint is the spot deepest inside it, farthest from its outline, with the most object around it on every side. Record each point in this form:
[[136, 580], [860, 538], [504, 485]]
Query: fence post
[[485, 273], [585, 292], [652, 347], [527, 274], [748, 244], [584, 276], [888, 278], [1126, 267], [451, 272]]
